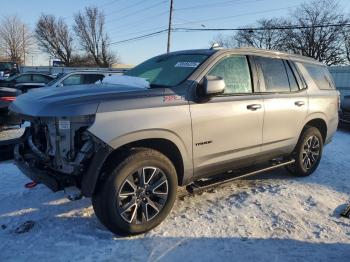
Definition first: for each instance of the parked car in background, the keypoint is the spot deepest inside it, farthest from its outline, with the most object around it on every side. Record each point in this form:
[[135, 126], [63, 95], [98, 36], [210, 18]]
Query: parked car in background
[[26, 81], [13, 86], [18, 84], [8, 69], [7, 96], [193, 115], [344, 112], [75, 78]]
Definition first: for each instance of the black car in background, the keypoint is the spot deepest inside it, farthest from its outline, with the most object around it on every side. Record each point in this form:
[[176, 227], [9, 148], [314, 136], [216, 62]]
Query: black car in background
[[26, 81], [8, 95], [344, 112], [8, 69], [13, 86]]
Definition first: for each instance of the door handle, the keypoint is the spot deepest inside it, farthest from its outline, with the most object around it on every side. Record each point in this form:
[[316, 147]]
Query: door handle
[[299, 103], [253, 107]]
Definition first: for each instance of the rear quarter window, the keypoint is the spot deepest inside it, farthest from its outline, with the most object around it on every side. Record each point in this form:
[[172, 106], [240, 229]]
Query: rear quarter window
[[321, 76]]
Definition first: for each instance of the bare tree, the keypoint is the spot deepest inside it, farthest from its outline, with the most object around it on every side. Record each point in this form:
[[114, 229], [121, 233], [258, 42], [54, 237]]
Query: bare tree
[[227, 41], [314, 40], [307, 32], [267, 35], [55, 38], [15, 39], [90, 28], [346, 42]]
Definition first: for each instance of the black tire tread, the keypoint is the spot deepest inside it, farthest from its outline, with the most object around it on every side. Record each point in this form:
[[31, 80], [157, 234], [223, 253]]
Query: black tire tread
[[104, 191], [296, 168]]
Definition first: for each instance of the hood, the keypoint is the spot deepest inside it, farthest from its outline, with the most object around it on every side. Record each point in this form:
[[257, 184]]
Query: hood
[[70, 100]]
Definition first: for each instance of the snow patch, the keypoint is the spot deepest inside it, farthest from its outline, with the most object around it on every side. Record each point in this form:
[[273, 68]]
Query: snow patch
[[270, 217], [125, 81]]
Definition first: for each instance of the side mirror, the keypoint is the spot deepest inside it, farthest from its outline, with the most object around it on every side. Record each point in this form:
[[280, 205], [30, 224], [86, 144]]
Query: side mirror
[[60, 85], [214, 85]]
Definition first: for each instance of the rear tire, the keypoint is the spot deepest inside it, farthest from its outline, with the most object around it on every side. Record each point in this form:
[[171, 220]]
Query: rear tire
[[138, 194], [307, 153]]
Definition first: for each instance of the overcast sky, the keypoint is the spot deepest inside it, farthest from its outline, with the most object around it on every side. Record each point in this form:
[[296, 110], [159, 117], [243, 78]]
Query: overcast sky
[[130, 18]]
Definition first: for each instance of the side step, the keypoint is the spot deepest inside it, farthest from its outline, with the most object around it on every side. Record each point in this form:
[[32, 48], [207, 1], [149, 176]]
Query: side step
[[201, 185]]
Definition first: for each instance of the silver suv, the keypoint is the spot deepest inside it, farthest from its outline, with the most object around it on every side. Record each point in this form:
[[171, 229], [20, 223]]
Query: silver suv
[[203, 117]]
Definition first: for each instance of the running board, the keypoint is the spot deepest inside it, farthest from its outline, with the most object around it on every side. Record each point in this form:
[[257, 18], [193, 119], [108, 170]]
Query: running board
[[200, 185]]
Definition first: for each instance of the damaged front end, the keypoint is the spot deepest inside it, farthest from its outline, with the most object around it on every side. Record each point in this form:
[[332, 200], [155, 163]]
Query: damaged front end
[[58, 151]]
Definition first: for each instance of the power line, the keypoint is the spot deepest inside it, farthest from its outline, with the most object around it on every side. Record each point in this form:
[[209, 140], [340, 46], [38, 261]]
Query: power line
[[218, 4], [125, 8], [100, 6], [186, 30], [140, 37], [137, 22], [292, 27], [138, 11], [143, 31], [109, 3], [234, 16]]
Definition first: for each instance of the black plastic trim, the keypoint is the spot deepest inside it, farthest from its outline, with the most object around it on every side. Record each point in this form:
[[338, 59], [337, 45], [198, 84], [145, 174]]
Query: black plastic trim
[[35, 174], [90, 178]]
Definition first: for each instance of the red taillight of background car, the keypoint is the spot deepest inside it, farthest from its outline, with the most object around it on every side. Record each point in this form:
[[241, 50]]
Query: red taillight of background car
[[8, 98]]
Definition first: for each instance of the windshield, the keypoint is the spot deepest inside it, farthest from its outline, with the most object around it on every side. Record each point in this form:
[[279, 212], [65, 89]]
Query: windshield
[[11, 78], [168, 70], [5, 66]]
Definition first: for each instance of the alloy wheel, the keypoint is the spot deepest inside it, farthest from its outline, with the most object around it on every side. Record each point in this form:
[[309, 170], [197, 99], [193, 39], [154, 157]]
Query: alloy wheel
[[311, 152], [142, 195]]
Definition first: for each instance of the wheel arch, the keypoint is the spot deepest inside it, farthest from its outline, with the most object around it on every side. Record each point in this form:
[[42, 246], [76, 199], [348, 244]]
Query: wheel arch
[[164, 146], [169, 148], [320, 124]]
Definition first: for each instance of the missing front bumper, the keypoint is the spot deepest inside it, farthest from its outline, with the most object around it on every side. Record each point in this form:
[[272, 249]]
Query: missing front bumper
[[27, 167]]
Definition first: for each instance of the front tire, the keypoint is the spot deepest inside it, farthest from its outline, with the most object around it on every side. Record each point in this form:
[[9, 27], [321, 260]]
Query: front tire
[[307, 153], [138, 194]]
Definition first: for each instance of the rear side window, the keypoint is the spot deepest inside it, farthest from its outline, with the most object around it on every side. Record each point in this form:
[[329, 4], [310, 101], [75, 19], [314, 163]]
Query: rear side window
[[24, 78], [92, 78], [73, 80], [320, 75], [236, 74], [41, 79], [274, 73]]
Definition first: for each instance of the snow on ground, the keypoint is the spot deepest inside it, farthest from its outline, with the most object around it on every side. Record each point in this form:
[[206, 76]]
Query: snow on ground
[[273, 217], [11, 133]]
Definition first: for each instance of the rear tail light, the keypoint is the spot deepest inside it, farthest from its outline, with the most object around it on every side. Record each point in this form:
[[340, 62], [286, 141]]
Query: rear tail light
[[8, 98]]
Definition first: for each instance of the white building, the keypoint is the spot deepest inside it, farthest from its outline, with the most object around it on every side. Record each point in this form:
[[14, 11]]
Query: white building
[[341, 76]]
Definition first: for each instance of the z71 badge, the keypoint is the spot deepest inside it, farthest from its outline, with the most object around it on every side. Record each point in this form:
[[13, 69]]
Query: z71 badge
[[172, 98]]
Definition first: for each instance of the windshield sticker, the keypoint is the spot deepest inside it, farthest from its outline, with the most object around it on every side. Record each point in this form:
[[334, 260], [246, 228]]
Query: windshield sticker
[[187, 64]]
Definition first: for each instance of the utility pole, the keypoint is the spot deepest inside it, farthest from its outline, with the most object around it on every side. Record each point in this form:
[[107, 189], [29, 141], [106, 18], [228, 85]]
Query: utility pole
[[169, 28], [23, 46]]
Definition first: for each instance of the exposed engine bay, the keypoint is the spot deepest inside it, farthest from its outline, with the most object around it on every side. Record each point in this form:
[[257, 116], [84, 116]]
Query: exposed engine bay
[[59, 144]]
